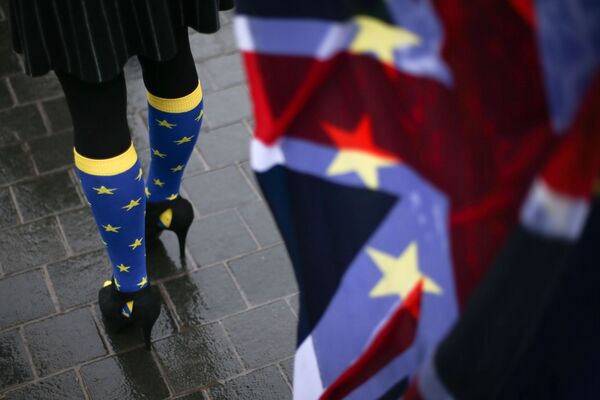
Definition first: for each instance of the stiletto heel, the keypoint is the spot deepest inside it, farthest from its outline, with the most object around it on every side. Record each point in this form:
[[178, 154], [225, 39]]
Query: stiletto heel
[[120, 309], [175, 215]]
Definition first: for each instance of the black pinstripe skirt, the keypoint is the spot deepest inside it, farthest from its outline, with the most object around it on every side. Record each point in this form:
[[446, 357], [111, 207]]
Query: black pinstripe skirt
[[93, 39]]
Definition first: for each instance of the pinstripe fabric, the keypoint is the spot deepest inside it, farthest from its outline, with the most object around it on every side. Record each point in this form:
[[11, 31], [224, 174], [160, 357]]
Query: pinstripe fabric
[[92, 39]]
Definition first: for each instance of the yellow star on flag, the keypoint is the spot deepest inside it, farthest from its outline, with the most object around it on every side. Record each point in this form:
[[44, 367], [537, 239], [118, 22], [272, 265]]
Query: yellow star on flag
[[157, 153], [147, 191], [362, 164], [185, 139], [158, 182], [177, 168], [110, 228], [132, 203], [123, 268], [165, 123], [200, 115], [143, 282], [358, 152], [400, 274], [104, 190], [377, 37], [172, 197], [137, 243], [139, 175]]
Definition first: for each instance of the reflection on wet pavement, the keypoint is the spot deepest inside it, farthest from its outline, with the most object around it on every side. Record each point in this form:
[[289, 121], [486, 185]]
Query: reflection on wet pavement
[[229, 312]]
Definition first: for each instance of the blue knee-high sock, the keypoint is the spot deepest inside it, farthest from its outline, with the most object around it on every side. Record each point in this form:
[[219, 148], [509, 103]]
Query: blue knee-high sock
[[115, 191], [174, 126]]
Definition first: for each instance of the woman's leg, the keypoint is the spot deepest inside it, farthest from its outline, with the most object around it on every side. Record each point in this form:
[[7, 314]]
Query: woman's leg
[[175, 110], [110, 174]]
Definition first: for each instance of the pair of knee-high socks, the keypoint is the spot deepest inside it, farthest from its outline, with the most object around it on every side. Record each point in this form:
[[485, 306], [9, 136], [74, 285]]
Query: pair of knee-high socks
[[117, 193]]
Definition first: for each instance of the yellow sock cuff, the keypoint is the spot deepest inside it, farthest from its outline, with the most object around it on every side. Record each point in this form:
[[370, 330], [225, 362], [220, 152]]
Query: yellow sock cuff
[[108, 166], [180, 105]]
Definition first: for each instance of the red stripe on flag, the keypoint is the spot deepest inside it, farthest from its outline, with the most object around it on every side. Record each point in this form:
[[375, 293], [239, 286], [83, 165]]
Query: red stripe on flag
[[395, 337], [525, 9], [574, 167]]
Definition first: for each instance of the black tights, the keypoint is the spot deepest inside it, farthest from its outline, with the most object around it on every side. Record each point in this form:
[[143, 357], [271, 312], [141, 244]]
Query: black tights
[[99, 110]]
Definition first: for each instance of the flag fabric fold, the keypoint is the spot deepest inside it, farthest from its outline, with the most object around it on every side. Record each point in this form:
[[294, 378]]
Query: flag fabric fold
[[409, 151]]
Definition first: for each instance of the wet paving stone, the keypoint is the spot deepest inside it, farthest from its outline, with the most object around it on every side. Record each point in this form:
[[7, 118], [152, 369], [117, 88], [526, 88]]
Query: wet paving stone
[[46, 195], [30, 89], [81, 231], [294, 302], [20, 124], [8, 212], [249, 174], [227, 106], [193, 396], [226, 70], [263, 335], [63, 341], [6, 99], [261, 222], [30, 245], [13, 360], [25, 297], [225, 145], [15, 164], [77, 280], [197, 358], [129, 376], [205, 295], [52, 152], [288, 369], [219, 237], [132, 336], [163, 257], [265, 275], [218, 190], [58, 114], [264, 384], [59, 387]]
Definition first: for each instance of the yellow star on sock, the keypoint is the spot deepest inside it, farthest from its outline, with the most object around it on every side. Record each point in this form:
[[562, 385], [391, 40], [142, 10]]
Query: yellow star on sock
[[117, 284], [185, 139], [159, 183], [143, 282], [157, 153], [132, 203], [104, 190], [110, 228], [137, 243], [377, 37], [147, 192], [200, 115], [172, 197], [123, 268], [177, 168], [165, 123], [139, 175], [400, 274]]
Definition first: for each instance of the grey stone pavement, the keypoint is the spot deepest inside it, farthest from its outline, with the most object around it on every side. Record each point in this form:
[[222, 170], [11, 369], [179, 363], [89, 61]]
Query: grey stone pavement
[[227, 328]]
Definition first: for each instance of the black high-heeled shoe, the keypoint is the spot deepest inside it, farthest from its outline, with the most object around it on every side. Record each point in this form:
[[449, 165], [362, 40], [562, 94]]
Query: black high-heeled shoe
[[174, 215], [120, 309]]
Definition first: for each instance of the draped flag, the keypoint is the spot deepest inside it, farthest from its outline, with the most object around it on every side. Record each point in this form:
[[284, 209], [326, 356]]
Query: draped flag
[[405, 148]]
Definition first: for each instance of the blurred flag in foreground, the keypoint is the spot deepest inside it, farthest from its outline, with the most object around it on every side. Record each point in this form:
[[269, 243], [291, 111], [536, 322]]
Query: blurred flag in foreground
[[407, 149]]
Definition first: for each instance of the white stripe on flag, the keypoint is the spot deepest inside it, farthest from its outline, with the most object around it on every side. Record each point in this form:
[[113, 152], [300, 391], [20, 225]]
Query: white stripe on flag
[[313, 38], [307, 380], [264, 157], [554, 214]]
